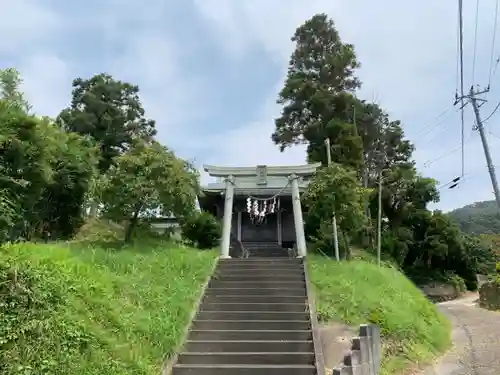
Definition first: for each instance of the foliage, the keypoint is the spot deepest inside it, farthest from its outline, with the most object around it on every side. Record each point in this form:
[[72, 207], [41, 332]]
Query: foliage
[[330, 191], [52, 172], [109, 111], [478, 218], [202, 229], [95, 311], [146, 178], [357, 292], [319, 101]]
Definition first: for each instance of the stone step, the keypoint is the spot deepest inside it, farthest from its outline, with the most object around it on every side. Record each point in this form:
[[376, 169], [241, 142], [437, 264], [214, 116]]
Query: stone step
[[275, 307], [248, 346], [256, 284], [261, 261], [246, 358], [252, 315], [242, 269], [247, 335], [243, 370], [301, 291], [259, 277], [214, 298], [254, 325]]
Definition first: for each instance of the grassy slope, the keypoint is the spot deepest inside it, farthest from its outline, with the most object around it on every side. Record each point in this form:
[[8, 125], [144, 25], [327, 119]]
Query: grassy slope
[[95, 311], [360, 292]]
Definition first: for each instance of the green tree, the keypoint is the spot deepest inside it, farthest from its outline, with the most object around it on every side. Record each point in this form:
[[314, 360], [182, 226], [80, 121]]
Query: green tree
[[335, 189], [320, 72], [110, 111], [146, 178], [10, 83]]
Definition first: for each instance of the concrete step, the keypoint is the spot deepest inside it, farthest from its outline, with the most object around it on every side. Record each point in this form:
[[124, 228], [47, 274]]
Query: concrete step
[[256, 284], [254, 325], [248, 346], [276, 307], [299, 292], [246, 358], [247, 335], [261, 261], [214, 298], [243, 270], [259, 277], [252, 315], [243, 370]]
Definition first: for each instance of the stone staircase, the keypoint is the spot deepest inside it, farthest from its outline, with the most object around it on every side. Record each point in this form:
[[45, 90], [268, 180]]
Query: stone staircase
[[265, 249], [254, 319]]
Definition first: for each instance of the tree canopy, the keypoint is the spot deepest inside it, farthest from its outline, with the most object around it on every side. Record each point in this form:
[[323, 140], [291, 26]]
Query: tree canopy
[[98, 152], [320, 101]]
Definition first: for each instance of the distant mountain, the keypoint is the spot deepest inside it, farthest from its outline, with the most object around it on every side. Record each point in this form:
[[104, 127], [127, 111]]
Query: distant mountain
[[478, 218]]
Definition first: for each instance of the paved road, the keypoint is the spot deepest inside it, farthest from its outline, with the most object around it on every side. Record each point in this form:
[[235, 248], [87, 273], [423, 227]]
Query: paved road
[[476, 337]]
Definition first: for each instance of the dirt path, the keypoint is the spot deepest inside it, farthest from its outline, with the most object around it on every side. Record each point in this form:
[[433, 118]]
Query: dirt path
[[476, 338]]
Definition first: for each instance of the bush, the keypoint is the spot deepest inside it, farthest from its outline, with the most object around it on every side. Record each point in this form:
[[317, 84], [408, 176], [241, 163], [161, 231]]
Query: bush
[[360, 292], [203, 230]]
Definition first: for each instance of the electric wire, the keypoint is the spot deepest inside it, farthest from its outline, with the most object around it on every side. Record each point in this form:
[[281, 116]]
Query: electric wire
[[492, 113], [431, 125], [475, 43], [461, 58], [493, 42], [430, 162]]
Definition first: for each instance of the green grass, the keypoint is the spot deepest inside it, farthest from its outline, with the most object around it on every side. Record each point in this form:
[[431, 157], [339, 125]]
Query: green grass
[[359, 292], [91, 310]]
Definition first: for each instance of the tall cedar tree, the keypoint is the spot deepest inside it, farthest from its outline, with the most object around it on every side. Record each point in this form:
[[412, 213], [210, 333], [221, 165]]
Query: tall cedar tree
[[316, 98]]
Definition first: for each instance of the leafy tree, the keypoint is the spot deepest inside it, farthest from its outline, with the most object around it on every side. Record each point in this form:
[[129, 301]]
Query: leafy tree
[[335, 189], [10, 83], [321, 68], [202, 229], [73, 160], [109, 111], [145, 178]]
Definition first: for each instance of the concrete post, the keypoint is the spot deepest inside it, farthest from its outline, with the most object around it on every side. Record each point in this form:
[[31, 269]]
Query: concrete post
[[297, 217], [228, 217]]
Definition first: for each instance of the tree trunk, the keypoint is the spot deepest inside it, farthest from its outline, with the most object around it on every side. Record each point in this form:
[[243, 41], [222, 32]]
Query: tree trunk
[[131, 227]]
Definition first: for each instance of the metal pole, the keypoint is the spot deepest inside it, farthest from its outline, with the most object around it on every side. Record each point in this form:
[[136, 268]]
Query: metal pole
[[379, 219], [486, 148], [334, 218]]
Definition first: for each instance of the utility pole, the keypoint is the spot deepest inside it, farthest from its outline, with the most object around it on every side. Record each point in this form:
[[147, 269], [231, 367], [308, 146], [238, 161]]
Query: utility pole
[[473, 99], [381, 154], [379, 220], [334, 218]]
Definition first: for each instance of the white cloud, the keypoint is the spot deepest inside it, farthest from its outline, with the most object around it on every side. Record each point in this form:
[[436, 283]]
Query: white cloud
[[408, 56], [25, 23], [407, 51], [47, 83]]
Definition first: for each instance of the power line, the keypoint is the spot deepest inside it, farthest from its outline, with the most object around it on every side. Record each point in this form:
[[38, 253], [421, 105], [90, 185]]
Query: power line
[[492, 113], [461, 58], [493, 45], [475, 42], [432, 124], [429, 162]]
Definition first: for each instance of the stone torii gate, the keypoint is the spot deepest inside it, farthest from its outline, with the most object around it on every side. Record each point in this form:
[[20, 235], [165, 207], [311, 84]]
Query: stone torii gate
[[261, 181]]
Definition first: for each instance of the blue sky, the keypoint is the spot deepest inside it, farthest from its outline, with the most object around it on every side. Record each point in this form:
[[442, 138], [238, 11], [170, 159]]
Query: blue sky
[[209, 70]]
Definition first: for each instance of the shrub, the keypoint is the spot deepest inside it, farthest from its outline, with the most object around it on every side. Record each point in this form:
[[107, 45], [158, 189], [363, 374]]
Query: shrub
[[202, 229]]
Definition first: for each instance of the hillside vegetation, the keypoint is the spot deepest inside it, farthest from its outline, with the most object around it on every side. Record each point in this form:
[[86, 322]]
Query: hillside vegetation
[[360, 292], [91, 310], [478, 218]]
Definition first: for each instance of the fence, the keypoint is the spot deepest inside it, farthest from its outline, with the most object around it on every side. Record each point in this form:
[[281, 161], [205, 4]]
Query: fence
[[365, 354]]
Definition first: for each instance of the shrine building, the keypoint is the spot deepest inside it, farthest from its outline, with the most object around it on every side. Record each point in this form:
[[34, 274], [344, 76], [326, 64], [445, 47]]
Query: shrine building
[[259, 206]]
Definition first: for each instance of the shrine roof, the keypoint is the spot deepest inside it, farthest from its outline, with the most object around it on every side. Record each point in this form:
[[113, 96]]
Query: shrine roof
[[272, 170]]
